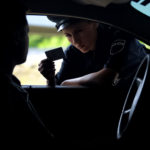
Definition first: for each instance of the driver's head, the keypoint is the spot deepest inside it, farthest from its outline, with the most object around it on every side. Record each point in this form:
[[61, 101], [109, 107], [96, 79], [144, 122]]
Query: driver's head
[[15, 35], [81, 33]]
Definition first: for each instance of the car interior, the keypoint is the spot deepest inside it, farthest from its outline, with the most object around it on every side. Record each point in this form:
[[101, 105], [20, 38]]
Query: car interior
[[74, 114]]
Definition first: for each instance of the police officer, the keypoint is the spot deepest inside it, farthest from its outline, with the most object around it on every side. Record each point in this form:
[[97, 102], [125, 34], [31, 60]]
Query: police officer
[[98, 54]]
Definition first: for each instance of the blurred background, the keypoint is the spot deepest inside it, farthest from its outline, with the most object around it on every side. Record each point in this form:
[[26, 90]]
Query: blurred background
[[42, 36]]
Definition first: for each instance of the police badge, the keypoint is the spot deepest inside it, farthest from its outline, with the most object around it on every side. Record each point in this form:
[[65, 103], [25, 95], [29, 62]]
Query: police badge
[[117, 46]]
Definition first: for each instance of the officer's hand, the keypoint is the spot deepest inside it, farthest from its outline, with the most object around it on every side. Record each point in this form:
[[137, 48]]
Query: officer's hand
[[47, 69]]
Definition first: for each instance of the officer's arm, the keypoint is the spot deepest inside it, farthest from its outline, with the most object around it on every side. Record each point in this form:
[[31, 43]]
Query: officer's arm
[[100, 78]]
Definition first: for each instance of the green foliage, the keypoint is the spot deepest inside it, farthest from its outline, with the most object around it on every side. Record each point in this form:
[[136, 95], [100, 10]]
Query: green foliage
[[39, 41]]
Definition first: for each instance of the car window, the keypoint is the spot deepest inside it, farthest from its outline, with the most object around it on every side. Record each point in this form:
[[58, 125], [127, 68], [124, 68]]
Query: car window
[[42, 37]]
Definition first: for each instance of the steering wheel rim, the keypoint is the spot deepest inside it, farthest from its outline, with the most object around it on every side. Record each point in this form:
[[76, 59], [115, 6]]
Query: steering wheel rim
[[133, 96]]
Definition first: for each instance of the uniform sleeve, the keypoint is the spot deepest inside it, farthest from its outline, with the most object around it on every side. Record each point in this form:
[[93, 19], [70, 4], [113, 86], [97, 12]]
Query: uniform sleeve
[[118, 50], [68, 66]]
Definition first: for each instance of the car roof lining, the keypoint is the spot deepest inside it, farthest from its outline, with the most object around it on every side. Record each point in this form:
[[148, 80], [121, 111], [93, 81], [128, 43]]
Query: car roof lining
[[121, 16]]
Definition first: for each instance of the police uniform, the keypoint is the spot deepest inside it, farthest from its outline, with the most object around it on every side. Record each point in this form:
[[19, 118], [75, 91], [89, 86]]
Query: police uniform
[[114, 49]]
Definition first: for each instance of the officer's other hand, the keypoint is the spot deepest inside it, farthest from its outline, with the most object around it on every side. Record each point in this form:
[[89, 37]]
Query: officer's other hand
[[47, 69]]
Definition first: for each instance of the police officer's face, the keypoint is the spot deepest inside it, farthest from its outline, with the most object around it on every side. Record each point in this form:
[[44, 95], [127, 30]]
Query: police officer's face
[[82, 35]]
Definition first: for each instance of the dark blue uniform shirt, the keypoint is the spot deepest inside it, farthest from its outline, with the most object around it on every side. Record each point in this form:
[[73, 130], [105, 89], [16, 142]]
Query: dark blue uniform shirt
[[115, 49]]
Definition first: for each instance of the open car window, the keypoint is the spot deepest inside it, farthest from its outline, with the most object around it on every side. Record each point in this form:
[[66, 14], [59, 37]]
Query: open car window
[[43, 36]]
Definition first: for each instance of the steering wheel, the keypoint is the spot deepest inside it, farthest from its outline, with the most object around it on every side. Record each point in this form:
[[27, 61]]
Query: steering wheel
[[133, 96]]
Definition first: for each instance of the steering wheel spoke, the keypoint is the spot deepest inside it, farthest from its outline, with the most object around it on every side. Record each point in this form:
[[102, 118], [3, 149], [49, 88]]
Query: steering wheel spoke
[[133, 96], [127, 111]]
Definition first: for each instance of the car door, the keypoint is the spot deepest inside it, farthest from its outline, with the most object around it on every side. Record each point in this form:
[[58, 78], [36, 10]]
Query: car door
[[76, 113]]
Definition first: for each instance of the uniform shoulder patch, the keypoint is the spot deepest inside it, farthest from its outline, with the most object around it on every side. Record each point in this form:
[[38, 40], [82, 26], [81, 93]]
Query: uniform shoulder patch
[[117, 46]]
